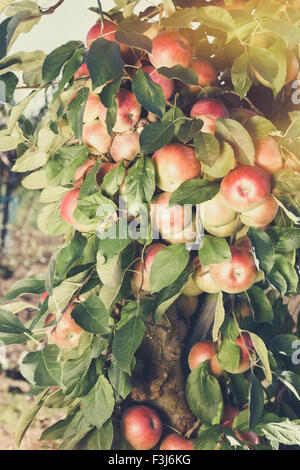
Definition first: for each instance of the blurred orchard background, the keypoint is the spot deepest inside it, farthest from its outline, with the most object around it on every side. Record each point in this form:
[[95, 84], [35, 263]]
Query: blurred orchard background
[[24, 250]]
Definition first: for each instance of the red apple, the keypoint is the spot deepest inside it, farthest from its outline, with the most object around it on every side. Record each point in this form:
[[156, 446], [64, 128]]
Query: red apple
[[167, 84], [187, 235], [208, 110], [175, 164], [82, 171], [176, 442], [105, 30], [203, 351], [245, 188], [207, 74], [66, 333], [262, 215], [125, 146], [91, 110], [267, 155], [82, 71], [128, 112], [170, 48], [67, 207], [236, 275], [166, 219], [96, 137], [229, 414], [142, 427], [142, 276], [216, 213]]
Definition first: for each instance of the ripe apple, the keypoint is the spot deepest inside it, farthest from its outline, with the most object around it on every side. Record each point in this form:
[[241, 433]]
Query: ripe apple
[[128, 112], [267, 155], [174, 164], [292, 67], [82, 171], [204, 280], [176, 442], [262, 215], [229, 414], [208, 110], [218, 217], [248, 437], [103, 170], [141, 427], [187, 306], [83, 71], [244, 242], [203, 351], [245, 188], [125, 146], [66, 333], [168, 85], [91, 109], [187, 235], [170, 48], [96, 137], [236, 275], [207, 74], [169, 220], [139, 277], [223, 230]]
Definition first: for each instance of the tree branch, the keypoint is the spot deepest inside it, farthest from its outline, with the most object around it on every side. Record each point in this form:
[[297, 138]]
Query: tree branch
[[49, 11]]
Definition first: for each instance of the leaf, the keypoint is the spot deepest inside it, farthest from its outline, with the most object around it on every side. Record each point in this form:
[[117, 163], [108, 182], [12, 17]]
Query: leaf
[[265, 64], [9, 323], [28, 416], [9, 81], [189, 130], [207, 148], [167, 266], [216, 18], [208, 438], [259, 127], [92, 316], [18, 110], [240, 77], [29, 285], [119, 379], [204, 395], [291, 381], [215, 250], [75, 112], [42, 368], [134, 39], [262, 352], [113, 180], [71, 66], [194, 191], [77, 378], [285, 432], [237, 136], [30, 160], [149, 94], [285, 269], [178, 72], [140, 182], [263, 249], [229, 355], [260, 304], [61, 167], [155, 136], [99, 403], [109, 92], [127, 339], [219, 317], [70, 254], [104, 62], [181, 18], [284, 344], [283, 28], [256, 401], [289, 207], [57, 58], [101, 439], [225, 162]]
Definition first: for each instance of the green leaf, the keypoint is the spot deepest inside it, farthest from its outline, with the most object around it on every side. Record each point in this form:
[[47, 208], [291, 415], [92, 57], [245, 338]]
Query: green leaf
[[167, 266], [291, 381], [189, 130], [284, 29], [283, 344], [69, 69], [289, 207], [259, 127], [42, 368], [101, 439], [204, 395], [70, 254], [207, 148], [260, 304], [256, 401], [176, 117], [76, 377], [240, 75], [208, 438], [28, 416], [178, 72], [140, 182], [215, 250], [285, 432], [62, 166], [229, 355], [98, 405], [75, 112], [113, 180], [194, 191], [262, 352], [92, 316], [155, 136], [265, 64], [219, 317], [283, 269], [119, 379], [29, 285], [57, 58], [104, 61], [263, 249], [134, 39], [10, 323], [181, 18], [225, 162], [109, 92], [216, 18], [9, 81], [236, 135], [149, 94]]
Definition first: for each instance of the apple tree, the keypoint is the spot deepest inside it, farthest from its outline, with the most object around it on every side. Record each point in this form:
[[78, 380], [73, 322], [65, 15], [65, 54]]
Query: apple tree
[[168, 162]]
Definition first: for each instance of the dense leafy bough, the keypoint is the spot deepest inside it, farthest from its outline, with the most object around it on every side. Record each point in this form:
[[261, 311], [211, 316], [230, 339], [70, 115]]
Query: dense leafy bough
[[163, 319]]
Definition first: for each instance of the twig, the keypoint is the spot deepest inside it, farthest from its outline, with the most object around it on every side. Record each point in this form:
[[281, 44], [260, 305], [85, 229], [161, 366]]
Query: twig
[[49, 11]]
